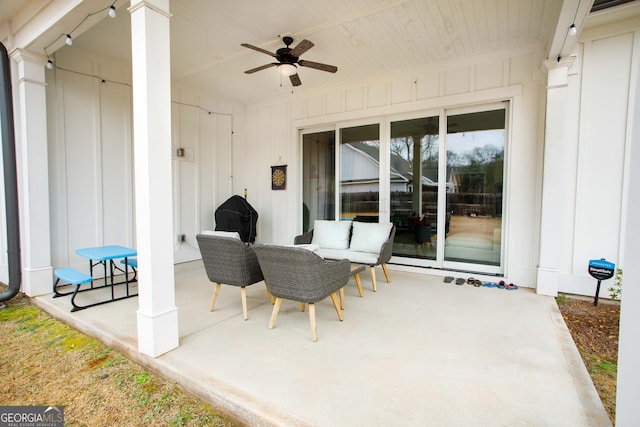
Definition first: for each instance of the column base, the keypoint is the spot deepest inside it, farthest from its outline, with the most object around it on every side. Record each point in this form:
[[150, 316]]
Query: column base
[[37, 282], [548, 280], [158, 333]]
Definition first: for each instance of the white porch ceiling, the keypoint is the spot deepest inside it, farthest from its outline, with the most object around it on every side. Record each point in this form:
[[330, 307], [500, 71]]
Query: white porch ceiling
[[363, 38]]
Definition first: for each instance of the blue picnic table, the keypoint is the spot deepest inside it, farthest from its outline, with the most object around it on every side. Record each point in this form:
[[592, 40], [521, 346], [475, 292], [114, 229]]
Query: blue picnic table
[[105, 256]]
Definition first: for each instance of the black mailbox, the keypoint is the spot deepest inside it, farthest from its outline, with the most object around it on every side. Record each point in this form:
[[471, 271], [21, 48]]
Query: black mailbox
[[600, 269]]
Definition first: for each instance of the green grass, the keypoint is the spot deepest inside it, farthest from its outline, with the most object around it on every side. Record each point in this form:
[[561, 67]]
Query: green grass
[[51, 362]]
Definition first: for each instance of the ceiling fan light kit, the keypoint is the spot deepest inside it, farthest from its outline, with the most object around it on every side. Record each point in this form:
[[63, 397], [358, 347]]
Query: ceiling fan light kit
[[287, 69], [289, 60]]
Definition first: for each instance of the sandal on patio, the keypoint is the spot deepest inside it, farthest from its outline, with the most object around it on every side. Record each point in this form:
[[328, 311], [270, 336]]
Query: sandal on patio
[[490, 285], [448, 279], [474, 282], [511, 287], [460, 281], [501, 284]]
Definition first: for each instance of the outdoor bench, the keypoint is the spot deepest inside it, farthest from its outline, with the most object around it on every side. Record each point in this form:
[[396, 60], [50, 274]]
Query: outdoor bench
[[365, 243], [70, 276]]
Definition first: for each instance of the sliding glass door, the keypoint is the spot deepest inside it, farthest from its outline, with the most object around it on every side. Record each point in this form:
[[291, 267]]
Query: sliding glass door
[[318, 177], [414, 153], [360, 173], [446, 176], [438, 177], [475, 144]]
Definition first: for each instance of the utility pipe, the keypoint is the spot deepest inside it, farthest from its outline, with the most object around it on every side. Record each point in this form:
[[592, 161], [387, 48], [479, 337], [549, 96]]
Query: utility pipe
[[10, 177]]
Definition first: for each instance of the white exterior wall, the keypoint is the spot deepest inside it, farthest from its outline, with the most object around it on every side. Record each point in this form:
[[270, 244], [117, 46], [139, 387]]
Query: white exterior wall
[[597, 131], [600, 86], [486, 79], [233, 148], [203, 177], [91, 159], [628, 390]]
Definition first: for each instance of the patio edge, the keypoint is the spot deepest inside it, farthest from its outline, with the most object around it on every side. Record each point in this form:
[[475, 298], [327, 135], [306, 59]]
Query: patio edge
[[592, 404], [229, 401]]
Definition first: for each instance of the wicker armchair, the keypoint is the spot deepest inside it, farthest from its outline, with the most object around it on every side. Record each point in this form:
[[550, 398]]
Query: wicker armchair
[[300, 275], [229, 261]]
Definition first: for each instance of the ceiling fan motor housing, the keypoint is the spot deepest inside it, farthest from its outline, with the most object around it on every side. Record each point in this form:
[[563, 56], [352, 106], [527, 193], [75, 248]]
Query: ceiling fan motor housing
[[290, 57], [284, 56]]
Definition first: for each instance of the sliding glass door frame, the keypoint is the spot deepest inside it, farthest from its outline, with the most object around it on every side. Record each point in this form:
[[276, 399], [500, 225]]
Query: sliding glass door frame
[[301, 171], [384, 123], [467, 266], [383, 184]]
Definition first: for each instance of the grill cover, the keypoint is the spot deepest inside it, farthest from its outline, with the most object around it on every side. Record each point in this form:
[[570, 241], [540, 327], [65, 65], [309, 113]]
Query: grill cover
[[236, 214]]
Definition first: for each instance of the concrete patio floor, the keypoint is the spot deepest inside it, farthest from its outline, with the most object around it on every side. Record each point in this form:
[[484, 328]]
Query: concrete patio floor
[[418, 352]]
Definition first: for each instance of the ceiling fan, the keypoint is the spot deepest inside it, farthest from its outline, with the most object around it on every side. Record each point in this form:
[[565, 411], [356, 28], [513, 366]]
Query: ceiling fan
[[288, 58]]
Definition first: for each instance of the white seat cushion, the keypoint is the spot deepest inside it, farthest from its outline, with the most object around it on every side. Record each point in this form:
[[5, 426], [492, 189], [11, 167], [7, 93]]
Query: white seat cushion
[[331, 234], [352, 256], [369, 236], [231, 234]]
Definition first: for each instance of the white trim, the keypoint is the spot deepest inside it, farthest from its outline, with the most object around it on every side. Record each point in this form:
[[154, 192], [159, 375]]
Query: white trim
[[149, 5], [634, 87], [451, 101]]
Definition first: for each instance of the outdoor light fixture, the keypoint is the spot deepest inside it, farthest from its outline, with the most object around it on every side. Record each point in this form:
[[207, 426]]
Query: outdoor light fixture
[[112, 11], [287, 69], [573, 30], [69, 42], [49, 64]]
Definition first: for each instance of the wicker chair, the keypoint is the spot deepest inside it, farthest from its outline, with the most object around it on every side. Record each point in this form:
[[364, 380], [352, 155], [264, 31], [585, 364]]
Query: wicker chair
[[300, 275], [229, 261]]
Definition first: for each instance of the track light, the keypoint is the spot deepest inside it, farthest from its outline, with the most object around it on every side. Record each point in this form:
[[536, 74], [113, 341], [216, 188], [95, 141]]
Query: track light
[[49, 64], [573, 30], [69, 42], [112, 11]]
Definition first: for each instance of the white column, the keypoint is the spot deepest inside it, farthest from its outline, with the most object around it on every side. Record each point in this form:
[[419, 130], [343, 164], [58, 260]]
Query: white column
[[628, 390], [30, 112], [557, 192], [151, 66]]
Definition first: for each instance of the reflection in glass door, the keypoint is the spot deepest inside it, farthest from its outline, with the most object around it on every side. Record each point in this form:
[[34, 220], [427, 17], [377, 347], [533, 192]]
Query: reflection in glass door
[[444, 174], [414, 186], [360, 173], [475, 145], [318, 177]]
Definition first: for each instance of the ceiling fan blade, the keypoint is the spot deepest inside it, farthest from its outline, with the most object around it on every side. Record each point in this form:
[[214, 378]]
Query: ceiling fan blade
[[318, 66], [258, 49], [295, 80], [263, 67], [301, 48]]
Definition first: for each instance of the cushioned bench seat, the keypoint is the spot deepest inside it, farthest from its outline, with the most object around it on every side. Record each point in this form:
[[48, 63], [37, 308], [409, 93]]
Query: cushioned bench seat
[[353, 256], [364, 243]]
